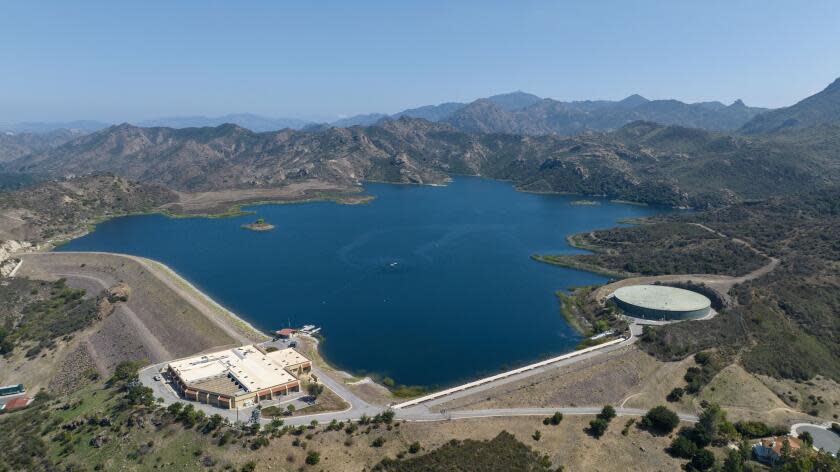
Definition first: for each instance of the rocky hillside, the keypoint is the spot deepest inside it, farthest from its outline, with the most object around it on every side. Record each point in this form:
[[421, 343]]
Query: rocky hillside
[[60, 208], [524, 113], [642, 161], [15, 145], [568, 118], [821, 108]]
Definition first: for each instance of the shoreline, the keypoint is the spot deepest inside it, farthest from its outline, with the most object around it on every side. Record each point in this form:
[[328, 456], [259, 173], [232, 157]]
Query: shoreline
[[347, 196], [233, 211], [237, 323]]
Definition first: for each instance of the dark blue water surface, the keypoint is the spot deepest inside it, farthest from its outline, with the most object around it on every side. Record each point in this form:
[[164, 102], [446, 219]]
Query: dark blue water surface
[[427, 285]]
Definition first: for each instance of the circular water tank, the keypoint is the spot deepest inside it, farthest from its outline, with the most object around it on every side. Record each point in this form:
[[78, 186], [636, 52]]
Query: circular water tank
[[660, 302]]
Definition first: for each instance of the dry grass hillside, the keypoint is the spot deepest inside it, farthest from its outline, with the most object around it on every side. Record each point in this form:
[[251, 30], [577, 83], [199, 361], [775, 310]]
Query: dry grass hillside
[[156, 322]]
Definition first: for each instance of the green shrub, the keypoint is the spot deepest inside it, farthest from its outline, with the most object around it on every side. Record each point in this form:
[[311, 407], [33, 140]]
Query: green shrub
[[682, 447], [676, 394], [607, 413], [503, 453], [807, 438], [757, 429], [629, 424], [660, 420], [703, 459], [734, 462], [554, 419], [598, 427]]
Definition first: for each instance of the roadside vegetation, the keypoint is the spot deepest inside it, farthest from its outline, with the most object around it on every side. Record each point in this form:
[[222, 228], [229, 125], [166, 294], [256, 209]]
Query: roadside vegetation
[[599, 425], [319, 398], [587, 316]]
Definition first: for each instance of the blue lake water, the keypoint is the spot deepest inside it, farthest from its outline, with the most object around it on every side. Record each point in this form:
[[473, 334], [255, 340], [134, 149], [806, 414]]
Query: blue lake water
[[426, 285]]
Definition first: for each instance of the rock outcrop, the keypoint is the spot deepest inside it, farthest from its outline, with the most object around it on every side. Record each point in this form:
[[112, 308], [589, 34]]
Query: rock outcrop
[[8, 249]]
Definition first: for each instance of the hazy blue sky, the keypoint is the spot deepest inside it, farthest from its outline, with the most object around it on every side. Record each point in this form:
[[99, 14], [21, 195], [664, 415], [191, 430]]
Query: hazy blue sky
[[120, 60]]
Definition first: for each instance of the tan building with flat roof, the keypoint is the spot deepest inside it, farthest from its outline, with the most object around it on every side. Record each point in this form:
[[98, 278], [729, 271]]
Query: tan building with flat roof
[[239, 377]]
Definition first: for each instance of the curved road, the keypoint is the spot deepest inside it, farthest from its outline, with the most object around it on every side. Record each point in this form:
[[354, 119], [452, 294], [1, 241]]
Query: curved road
[[358, 407]]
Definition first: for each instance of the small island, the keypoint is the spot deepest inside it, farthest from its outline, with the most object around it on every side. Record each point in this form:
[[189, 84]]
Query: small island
[[259, 225]]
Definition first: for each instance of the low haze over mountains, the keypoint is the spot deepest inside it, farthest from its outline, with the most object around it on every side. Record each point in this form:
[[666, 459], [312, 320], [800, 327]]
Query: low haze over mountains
[[516, 112], [15, 145], [246, 120], [523, 113], [660, 151]]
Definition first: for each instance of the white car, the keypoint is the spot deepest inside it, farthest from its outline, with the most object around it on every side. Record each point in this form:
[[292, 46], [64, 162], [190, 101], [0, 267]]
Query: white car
[[156, 378]]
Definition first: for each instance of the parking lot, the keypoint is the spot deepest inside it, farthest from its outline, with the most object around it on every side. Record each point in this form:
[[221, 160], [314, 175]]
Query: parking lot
[[159, 383]]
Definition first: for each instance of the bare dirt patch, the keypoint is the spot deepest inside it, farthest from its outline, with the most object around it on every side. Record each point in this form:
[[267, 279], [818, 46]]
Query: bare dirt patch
[[225, 201]]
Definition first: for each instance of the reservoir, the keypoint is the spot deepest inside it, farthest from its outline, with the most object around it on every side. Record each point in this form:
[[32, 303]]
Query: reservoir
[[426, 285]]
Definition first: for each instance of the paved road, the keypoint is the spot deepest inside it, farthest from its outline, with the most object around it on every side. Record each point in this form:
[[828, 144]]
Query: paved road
[[358, 407], [421, 412], [722, 284], [506, 412], [824, 438], [456, 393]]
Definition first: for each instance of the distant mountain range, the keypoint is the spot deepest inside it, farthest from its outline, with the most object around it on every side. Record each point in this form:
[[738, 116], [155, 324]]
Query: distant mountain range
[[86, 126], [15, 145], [517, 137], [820, 108], [246, 120], [516, 113], [524, 113], [642, 161]]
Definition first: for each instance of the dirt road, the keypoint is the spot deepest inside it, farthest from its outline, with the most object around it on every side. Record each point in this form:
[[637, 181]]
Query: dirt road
[[720, 283]]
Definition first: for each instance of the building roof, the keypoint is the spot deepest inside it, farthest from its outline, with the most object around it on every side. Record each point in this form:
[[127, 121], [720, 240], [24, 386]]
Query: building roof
[[776, 443], [17, 403], [286, 332], [661, 297], [287, 357], [12, 389], [245, 368]]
